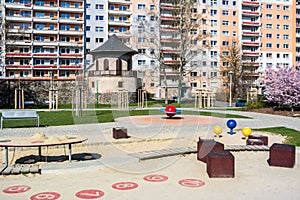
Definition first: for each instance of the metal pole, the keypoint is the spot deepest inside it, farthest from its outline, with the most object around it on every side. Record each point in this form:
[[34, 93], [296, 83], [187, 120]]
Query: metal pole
[[230, 83]]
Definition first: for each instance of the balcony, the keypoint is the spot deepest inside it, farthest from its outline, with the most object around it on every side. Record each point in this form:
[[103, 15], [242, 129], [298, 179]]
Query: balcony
[[251, 3], [255, 74], [70, 32], [169, 17], [126, 2], [45, 43], [45, 8], [255, 44], [249, 23], [45, 31], [71, 44], [250, 13], [19, 42], [20, 55], [18, 66], [18, 18], [126, 23], [69, 55], [249, 33], [94, 73], [120, 34], [48, 67], [120, 12], [171, 62], [51, 55], [71, 20], [165, 50], [168, 6], [71, 9], [17, 5], [170, 39], [169, 28], [249, 53], [250, 64], [45, 20]]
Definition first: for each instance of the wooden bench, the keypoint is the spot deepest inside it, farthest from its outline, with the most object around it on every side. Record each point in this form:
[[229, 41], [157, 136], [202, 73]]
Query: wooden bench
[[20, 115]]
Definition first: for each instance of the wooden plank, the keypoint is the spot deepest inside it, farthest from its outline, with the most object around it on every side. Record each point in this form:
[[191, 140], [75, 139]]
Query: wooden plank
[[25, 169], [7, 170], [16, 169], [34, 169], [2, 168]]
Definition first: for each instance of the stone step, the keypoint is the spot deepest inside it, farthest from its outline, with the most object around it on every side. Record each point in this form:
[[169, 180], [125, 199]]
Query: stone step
[[19, 169]]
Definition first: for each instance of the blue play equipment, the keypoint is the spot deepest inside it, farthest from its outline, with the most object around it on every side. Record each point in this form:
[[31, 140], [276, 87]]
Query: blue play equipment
[[231, 123]]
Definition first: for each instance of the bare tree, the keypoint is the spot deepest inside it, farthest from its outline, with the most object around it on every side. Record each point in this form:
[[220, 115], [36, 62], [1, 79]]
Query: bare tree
[[182, 35], [231, 60]]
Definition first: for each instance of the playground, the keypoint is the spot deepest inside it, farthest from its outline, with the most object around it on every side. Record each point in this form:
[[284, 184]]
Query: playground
[[118, 174]]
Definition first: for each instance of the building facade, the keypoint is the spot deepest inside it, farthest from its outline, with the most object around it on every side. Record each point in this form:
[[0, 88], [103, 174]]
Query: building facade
[[43, 39]]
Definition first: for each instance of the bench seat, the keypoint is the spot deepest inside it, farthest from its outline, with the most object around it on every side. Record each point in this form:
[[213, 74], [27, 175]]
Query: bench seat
[[20, 115]]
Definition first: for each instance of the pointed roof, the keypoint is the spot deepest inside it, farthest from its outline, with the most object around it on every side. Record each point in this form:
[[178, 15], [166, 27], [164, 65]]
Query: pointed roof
[[113, 47]]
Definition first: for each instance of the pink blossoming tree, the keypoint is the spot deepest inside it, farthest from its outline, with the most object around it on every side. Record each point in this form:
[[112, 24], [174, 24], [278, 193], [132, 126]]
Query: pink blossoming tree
[[283, 86]]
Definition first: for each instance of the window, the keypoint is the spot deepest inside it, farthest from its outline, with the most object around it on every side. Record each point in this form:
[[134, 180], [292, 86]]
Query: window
[[234, 33], [194, 74], [99, 28], [213, 32], [142, 51], [88, 17], [141, 40], [213, 22], [213, 43], [278, 36], [286, 27], [141, 17], [278, 26], [225, 43], [99, 17], [234, 13], [225, 2], [269, 55], [152, 7], [193, 84], [124, 8], [213, 74], [213, 12], [277, 16], [99, 40], [269, 16], [268, 35], [225, 53], [286, 36], [286, 56], [278, 7], [269, 6], [286, 17], [193, 31], [234, 23], [225, 23], [194, 10], [286, 7], [213, 2], [141, 6], [269, 45], [225, 12], [286, 46], [269, 25], [141, 62], [225, 33], [99, 6]]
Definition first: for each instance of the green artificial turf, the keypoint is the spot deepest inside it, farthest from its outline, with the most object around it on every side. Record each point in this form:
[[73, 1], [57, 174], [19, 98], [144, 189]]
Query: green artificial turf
[[292, 136]]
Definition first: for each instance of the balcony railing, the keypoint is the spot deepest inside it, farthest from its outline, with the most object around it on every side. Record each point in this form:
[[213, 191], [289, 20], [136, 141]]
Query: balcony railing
[[94, 73]]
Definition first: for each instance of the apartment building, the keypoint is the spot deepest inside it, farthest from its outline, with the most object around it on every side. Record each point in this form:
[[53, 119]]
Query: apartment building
[[297, 64], [49, 38], [42, 39]]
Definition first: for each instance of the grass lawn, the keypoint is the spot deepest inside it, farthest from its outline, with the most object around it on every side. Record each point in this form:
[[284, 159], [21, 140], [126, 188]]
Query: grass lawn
[[292, 136], [60, 118]]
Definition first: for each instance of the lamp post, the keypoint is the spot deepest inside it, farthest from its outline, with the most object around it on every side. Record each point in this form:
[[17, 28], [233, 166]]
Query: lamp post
[[230, 83]]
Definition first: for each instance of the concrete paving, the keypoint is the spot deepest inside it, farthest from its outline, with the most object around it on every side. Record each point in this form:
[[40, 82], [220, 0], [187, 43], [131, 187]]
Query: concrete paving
[[186, 177]]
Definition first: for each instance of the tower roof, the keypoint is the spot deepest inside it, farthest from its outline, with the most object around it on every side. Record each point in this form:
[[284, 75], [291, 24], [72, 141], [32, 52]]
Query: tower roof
[[113, 47]]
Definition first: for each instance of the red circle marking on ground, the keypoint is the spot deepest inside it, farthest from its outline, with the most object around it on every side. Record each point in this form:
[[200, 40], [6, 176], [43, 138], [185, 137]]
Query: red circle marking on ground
[[155, 178], [16, 189], [191, 183], [90, 194], [125, 186], [45, 196]]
